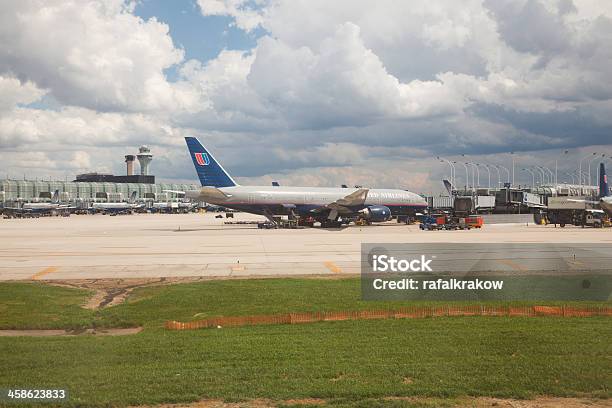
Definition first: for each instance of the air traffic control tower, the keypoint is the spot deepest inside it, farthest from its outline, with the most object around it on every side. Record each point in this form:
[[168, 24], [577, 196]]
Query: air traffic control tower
[[144, 158]]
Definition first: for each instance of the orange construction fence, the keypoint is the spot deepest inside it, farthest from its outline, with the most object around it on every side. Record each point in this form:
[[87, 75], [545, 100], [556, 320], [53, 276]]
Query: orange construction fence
[[401, 313]]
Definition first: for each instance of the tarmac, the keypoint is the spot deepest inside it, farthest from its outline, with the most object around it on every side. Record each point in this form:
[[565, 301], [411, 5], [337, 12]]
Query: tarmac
[[200, 245]]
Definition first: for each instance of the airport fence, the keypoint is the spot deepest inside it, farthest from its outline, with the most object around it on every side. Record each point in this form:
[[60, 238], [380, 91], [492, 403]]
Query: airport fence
[[401, 313]]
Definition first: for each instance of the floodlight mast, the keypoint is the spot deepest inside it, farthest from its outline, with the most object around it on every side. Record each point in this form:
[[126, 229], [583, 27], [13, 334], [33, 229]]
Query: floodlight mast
[[532, 176], [488, 171], [452, 169]]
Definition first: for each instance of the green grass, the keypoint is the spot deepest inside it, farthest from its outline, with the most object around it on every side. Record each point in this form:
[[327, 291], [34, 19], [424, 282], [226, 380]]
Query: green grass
[[35, 305], [443, 357], [351, 363], [40, 306], [239, 297]]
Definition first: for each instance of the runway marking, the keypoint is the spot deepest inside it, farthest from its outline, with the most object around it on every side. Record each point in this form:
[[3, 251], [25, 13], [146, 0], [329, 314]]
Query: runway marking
[[237, 268], [332, 267], [103, 254], [512, 264], [44, 272], [326, 244]]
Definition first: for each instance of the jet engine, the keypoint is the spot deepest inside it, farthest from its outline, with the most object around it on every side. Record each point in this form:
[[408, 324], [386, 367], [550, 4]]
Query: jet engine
[[377, 213]]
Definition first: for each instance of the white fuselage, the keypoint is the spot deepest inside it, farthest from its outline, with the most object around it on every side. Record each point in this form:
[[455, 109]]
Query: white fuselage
[[114, 206], [304, 196], [41, 206]]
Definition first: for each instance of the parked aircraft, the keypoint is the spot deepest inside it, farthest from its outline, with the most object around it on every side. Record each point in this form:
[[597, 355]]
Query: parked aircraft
[[118, 208], [329, 206], [37, 209], [172, 207], [605, 199]]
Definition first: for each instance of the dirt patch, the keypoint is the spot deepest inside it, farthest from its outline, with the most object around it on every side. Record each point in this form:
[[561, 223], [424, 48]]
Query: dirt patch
[[480, 402], [256, 403], [110, 292], [90, 332], [305, 401], [541, 402]]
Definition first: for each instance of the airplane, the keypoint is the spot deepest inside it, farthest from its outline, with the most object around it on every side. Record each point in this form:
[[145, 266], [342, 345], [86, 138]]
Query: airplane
[[605, 199], [171, 206], [118, 208], [36, 209], [329, 206]]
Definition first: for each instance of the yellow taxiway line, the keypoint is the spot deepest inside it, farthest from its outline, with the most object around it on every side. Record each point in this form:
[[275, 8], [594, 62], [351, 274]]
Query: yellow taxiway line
[[332, 267], [44, 272]]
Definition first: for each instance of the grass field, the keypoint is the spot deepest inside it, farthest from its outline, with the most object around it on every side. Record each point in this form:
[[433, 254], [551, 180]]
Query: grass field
[[352, 363]]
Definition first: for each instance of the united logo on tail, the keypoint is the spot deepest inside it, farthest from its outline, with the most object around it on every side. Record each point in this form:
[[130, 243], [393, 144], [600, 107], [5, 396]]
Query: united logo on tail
[[202, 159]]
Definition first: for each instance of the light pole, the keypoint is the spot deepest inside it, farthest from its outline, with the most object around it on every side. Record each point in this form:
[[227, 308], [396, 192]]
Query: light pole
[[512, 154], [506, 170], [532, 176], [467, 164], [475, 167], [498, 175], [590, 163], [541, 174], [455, 171], [577, 176], [452, 169], [488, 171], [583, 185], [467, 176], [549, 172], [557, 166], [580, 169]]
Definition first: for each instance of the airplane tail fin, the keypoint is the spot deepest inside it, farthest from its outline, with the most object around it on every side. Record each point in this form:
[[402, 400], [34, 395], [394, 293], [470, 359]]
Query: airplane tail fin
[[133, 197], [449, 187], [210, 173], [55, 197], [603, 181]]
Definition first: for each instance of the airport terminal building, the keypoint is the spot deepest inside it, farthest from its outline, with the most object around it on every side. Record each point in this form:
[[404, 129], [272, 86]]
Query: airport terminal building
[[37, 190], [99, 187]]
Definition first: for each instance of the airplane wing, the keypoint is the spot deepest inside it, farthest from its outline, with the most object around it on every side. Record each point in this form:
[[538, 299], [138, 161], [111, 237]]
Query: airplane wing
[[342, 205], [354, 199], [213, 193], [210, 192]]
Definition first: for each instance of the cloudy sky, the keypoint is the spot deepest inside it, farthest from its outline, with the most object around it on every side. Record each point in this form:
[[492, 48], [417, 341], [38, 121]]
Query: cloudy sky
[[305, 92]]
